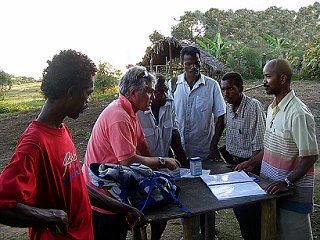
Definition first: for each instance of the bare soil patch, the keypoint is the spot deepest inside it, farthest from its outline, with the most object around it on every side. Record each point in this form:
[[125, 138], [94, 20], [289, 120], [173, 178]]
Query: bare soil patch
[[13, 125]]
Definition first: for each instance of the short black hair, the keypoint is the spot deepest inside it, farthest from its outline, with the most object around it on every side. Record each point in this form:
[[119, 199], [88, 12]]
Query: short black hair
[[161, 81], [189, 50], [235, 77], [67, 69]]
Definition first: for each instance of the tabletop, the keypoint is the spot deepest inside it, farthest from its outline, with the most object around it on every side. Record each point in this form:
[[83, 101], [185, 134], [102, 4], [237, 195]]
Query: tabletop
[[198, 199]]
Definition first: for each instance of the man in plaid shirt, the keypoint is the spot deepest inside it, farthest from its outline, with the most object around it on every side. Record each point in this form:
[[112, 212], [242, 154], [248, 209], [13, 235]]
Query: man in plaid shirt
[[245, 126], [245, 122]]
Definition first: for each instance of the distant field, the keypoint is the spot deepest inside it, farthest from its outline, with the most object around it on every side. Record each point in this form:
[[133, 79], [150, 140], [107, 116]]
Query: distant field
[[28, 96], [25, 96]]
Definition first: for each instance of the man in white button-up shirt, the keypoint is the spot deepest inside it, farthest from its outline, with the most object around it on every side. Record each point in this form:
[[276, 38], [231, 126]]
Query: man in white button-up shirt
[[198, 101], [200, 109]]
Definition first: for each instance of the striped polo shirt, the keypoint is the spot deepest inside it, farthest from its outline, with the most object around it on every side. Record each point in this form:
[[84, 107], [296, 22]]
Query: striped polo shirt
[[290, 135]]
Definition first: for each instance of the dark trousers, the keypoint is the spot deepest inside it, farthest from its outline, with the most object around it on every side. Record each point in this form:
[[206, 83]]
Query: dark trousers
[[248, 216], [234, 160], [249, 219], [115, 227], [107, 226]]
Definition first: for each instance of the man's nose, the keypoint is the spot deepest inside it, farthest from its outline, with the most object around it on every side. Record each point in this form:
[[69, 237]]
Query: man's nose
[[152, 97], [264, 80]]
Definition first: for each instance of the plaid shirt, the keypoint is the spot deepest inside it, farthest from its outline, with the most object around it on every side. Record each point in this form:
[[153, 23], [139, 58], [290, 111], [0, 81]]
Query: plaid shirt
[[245, 128]]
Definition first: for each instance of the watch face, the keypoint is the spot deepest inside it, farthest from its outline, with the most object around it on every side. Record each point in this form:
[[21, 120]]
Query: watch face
[[162, 161]]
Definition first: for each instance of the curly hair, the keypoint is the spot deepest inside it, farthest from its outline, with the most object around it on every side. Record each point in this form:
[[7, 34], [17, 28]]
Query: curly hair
[[66, 69]]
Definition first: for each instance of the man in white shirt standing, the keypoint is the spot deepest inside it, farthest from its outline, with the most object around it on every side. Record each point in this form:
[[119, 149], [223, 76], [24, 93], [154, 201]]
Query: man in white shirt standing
[[200, 109], [198, 101]]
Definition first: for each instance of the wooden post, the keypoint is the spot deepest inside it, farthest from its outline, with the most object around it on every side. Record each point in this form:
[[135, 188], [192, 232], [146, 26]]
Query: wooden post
[[210, 221], [191, 227], [268, 219]]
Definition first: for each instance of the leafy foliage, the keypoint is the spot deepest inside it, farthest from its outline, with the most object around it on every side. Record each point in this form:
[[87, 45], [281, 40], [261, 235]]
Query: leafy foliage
[[216, 47], [107, 77], [245, 39], [311, 62], [190, 26], [156, 36], [5, 83]]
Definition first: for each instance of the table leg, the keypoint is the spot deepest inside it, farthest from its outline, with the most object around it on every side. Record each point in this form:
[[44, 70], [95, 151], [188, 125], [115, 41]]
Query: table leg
[[268, 219], [191, 227], [210, 225]]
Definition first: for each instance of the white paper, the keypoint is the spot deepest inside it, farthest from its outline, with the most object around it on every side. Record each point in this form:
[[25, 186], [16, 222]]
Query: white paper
[[232, 185], [231, 177], [227, 191], [186, 173]]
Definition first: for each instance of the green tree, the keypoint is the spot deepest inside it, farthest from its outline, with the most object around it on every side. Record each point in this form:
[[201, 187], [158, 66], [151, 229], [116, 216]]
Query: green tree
[[5, 83], [311, 62], [189, 26], [107, 77], [156, 36]]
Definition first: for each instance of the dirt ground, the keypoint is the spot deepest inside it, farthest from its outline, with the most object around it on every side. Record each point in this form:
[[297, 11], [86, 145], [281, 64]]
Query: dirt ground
[[13, 125]]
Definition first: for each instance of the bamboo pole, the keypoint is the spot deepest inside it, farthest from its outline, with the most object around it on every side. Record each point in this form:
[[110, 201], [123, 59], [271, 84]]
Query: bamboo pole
[[248, 89]]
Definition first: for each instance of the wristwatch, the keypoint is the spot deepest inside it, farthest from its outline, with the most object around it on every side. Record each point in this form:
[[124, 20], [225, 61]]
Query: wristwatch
[[290, 185], [162, 161]]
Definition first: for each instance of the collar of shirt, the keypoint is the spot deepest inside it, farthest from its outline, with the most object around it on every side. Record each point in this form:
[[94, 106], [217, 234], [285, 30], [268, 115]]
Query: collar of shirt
[[240, 109], [168, 103], [284, 102], [198, 82], [127, 106]]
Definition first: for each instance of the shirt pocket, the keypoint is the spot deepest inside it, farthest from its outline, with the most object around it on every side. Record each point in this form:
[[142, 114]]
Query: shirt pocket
[[148, 132], [201, 103], [243, 133]]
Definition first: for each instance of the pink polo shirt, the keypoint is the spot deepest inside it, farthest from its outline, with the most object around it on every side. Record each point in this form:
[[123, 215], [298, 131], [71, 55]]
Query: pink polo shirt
[[114, 137]]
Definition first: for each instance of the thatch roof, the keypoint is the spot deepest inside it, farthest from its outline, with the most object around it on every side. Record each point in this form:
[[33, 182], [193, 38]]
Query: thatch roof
[[159, 54]]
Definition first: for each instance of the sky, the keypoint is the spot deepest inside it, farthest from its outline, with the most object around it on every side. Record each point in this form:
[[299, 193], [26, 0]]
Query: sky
[[115, 31]]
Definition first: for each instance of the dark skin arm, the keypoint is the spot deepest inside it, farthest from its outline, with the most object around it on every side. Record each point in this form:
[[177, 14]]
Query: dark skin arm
[[133, 216], [219, 126], [299, 171], [177, 148], [26, 216], [249, 165]]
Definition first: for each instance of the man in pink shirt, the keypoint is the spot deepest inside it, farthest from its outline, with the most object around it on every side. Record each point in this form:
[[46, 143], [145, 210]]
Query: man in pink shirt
[[117, 138]]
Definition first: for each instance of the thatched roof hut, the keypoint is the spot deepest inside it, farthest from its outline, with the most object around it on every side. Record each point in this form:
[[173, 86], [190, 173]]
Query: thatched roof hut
[[164, 57]]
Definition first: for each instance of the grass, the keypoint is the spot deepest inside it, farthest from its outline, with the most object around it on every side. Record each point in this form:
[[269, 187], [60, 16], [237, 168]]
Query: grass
[[22, 97], [28, 96]]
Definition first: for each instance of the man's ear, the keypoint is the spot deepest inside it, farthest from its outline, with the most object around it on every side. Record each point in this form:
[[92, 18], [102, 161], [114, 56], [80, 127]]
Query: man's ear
[[283, 79], [132, 94], [241, 88]]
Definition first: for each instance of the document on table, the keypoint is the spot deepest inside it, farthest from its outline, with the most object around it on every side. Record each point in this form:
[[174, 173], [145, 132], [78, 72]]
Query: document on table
[[232, 185]]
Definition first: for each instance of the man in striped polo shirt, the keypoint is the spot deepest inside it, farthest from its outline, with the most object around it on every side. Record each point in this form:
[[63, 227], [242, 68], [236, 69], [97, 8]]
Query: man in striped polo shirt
[[290, 152]]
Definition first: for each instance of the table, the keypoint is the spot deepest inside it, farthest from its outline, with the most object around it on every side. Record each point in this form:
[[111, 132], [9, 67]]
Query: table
[[197, 197]]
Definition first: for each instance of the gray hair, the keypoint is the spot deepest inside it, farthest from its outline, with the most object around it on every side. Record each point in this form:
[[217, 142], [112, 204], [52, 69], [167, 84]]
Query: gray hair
[[135, 78]]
